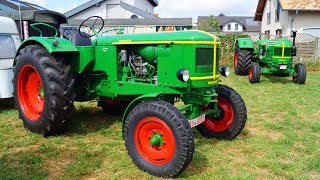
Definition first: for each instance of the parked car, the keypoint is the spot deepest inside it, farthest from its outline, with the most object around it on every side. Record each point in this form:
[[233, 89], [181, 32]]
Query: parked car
[[9, 42]]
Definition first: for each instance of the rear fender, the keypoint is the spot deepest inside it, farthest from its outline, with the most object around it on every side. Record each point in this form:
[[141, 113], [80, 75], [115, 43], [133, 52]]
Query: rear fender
[[63, 44], [245, 43]]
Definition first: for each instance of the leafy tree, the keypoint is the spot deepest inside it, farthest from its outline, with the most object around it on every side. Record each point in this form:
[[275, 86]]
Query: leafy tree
[[210, 25]]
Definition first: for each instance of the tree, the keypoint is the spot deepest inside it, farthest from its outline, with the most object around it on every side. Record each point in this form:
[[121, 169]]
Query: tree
[[210, 25]]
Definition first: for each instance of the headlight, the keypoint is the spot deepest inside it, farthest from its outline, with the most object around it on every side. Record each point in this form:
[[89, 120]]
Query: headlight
[[224, 71], [183, 75]]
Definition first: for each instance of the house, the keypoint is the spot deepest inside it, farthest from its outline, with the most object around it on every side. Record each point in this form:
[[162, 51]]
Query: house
[[114, 9], [13, 6], [280, 17], [234, 24], [135, 16]]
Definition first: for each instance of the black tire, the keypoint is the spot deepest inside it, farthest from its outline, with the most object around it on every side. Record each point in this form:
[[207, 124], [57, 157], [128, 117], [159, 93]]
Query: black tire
[[225, 127], [58, 96], [301, 74], [254, 73], [113, 108], [242, 61], [182, 134]]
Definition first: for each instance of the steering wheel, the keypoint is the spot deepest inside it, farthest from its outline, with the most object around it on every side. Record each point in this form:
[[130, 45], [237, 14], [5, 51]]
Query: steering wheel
[[266, 35], [90, 25]]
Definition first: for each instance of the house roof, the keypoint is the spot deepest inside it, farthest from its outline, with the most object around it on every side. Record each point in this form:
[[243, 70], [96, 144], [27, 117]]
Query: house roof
[[141, 22], [137, 11], [246, 21], [13, 5], [45, 16], [94, 2], [289, 5], [305, 5]]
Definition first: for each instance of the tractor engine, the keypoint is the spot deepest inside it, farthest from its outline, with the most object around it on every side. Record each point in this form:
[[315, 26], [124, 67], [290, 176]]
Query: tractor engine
[[140, 69]]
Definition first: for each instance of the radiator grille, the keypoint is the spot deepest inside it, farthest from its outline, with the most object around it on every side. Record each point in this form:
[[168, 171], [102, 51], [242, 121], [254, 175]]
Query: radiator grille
[[204, 57]]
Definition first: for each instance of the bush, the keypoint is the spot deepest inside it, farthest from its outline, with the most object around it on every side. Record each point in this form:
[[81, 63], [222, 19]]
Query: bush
[[228, 47]]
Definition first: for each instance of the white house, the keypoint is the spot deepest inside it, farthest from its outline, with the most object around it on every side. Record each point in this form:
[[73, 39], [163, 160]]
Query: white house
[[280, 17], [234, 24], [114, 9]]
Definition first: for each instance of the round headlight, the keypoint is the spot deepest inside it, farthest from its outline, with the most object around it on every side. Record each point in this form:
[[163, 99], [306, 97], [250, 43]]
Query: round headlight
[[183, 75], [225, 71]]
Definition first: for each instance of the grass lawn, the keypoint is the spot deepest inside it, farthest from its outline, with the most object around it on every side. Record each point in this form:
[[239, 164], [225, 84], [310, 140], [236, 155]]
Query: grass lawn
[[281, 140]]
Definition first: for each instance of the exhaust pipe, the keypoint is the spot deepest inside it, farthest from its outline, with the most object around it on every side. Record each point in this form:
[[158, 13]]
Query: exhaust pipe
[[294, 48]]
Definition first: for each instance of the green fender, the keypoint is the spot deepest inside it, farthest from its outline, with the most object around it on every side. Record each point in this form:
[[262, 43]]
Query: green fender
[[134, 103], [47, 42], [245, 43]]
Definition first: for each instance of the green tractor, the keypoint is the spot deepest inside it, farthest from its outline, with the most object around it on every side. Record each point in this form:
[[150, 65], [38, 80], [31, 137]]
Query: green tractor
[[140, 76], [270, 57]]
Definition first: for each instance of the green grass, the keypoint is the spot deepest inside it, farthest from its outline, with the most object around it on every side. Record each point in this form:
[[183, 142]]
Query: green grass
[[281, 140]]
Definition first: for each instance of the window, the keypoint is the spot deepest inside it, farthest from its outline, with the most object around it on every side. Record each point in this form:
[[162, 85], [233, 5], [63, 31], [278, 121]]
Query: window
[[277, 14], [269, 18], [236, 27], [229, 27], [7, 48], [279, 32]]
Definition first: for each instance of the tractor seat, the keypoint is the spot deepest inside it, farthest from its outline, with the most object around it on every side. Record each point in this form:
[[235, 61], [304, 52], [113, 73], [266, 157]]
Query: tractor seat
[[73, 35]]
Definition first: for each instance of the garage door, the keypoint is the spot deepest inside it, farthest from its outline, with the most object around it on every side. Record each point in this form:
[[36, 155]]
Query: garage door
[[312, 31]]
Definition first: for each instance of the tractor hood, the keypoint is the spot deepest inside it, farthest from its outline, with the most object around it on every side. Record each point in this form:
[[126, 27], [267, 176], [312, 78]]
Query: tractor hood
[[275, 42], [158, 38]]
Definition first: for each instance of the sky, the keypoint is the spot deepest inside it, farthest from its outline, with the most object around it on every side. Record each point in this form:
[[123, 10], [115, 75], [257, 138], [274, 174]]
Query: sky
[[172, 8]]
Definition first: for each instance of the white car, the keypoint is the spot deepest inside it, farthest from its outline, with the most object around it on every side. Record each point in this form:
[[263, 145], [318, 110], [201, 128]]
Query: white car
[[9, 43]]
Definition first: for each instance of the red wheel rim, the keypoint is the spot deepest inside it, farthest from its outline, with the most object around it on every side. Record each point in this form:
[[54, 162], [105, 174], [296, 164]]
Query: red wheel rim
[[145, 129], [222, 123], [250, 73], [236, 59], [30, 92]]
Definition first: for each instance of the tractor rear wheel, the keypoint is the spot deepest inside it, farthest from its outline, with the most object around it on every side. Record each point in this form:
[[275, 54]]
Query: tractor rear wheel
[[242, 61], [159, 138], [233, 116], [254, 73], [301, 74], [43, 91]]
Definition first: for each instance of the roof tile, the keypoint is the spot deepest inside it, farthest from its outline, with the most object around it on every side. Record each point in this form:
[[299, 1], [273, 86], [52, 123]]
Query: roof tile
[[308, 5]]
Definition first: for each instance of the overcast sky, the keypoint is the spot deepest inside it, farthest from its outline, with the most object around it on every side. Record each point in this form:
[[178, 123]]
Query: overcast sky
[[172, 8]]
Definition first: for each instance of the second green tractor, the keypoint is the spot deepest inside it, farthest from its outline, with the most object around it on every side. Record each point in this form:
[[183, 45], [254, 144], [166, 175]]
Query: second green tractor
[[268, 57]]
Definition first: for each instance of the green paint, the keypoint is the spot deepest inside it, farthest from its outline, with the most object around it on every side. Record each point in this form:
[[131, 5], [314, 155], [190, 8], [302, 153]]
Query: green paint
[[156, 140], [101, 72], [270, 56], [246, 43], [41, 90]]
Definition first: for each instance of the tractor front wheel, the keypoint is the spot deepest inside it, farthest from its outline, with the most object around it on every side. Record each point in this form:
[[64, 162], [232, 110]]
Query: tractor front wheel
[[232, 119], [254, 73], [301, 74], [43, 91], [159, 139]]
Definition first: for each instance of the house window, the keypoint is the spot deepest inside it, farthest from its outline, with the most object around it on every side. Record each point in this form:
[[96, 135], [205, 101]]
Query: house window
[[277, 14], [267, 34], [229, 27], [279, 32], [269, 13], [236, 27], [269, 18]]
